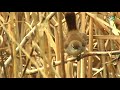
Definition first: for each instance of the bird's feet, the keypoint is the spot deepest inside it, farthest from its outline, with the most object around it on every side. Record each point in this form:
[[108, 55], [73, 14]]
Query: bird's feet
[[78, 57]]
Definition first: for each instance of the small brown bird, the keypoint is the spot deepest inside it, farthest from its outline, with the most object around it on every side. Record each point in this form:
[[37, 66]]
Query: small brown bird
[[75, 42]]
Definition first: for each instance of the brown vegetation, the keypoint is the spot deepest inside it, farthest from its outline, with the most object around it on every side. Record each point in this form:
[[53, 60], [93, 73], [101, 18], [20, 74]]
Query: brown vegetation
[[31, 45]]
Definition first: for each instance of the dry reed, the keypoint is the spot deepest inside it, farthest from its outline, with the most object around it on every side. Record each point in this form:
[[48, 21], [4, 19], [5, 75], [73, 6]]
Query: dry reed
[[32, 45]]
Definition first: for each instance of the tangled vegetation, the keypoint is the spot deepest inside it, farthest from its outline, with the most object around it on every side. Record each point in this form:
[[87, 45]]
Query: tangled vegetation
[[32, 45]]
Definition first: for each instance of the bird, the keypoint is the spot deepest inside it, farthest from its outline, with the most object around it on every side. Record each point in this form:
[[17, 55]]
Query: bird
[[75, 41]]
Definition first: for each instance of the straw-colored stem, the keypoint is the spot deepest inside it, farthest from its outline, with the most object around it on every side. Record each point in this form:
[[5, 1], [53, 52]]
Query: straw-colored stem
[[83, 64], [90, 48], [61, 44], [103, 58], [58, 68]]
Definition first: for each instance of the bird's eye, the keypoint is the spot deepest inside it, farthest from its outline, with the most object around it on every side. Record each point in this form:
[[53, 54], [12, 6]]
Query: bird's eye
[[75, 46]]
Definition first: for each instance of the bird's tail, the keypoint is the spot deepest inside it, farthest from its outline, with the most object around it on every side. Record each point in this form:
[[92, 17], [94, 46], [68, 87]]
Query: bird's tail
[[71, 21]]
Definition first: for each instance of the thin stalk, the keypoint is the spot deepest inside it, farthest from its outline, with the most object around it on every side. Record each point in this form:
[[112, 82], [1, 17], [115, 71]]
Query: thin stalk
[[90, 48], [61, 44], [103, 58], [58, 68], [83, 65]]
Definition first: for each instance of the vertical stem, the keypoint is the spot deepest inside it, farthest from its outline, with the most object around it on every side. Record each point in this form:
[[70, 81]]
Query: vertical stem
[[15, 61], [61, 43], [103, 58], [110, 66], [78, 69], [69, 70], [90, 48], [101, 47], [44, 48], [11, 30], [58, 68], [83, 60], [50, 74]]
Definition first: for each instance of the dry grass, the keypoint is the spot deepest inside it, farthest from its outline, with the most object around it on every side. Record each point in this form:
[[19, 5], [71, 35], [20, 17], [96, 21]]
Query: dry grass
[[31, 45]]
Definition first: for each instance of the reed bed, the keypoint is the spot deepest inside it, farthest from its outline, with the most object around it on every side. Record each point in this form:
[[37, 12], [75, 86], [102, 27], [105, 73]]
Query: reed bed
[[32, 45]]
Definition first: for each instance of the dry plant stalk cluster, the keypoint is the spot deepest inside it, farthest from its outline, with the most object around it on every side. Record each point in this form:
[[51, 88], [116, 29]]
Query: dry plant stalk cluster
[[32, 45]]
